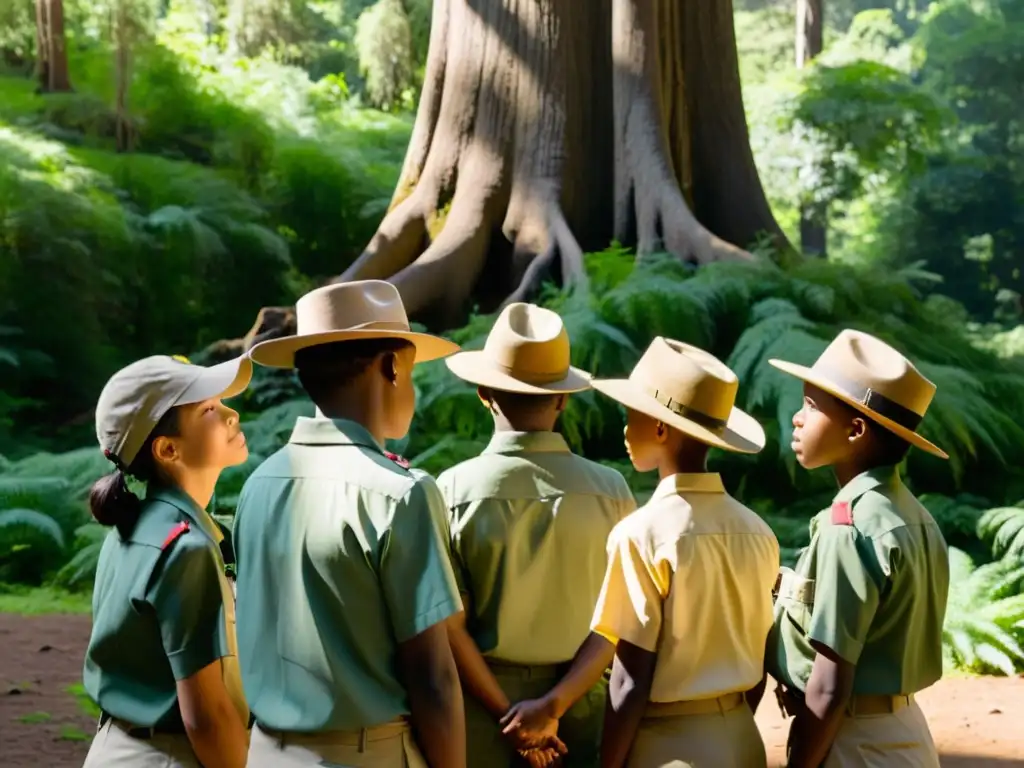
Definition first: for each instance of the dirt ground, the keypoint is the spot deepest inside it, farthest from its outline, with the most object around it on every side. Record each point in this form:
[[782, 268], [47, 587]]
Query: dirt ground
[[976, 722]]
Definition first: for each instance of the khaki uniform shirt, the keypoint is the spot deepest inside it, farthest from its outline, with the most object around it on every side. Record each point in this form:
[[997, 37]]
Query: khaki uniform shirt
[[162, 611], [690, 577], [341, 555], [529, 523], [874, 592]]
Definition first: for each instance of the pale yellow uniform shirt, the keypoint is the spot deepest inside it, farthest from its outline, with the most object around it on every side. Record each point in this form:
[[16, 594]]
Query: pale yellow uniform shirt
[[529, 524], [690, 577]]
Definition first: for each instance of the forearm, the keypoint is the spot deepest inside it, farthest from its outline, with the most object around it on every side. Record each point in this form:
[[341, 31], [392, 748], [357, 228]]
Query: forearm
[[477, 678], [820, 715], [629, 692], [590, 663], [435, 703], [218, 737]]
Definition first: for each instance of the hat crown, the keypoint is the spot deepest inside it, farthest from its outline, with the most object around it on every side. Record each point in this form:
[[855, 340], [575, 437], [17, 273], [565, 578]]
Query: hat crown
[[529, 343], [359, 305], [681, 375], [863, 365]]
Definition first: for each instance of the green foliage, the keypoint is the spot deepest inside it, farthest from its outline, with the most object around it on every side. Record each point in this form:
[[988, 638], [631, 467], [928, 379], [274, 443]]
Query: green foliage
[[1002, 529], [384, 44]]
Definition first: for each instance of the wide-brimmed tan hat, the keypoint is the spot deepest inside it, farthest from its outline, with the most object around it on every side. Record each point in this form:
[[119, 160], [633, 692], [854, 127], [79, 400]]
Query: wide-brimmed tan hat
[[687, 389], [872, 377], [363, 309], [527, 351], [135, 398]]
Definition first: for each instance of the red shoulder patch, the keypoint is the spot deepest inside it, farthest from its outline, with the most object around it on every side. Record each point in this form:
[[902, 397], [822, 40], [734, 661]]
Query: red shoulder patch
[[176, 532], [842, 513], [402, 462]]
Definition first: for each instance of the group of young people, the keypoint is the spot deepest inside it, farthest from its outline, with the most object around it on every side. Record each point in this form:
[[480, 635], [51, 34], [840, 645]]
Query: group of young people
[[519, 609]]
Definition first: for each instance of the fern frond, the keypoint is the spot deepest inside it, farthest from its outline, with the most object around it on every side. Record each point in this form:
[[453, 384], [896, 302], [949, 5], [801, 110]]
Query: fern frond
[[1003, 529], [34, 521]]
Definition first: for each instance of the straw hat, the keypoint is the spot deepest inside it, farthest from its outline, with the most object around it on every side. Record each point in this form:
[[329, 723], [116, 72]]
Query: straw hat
[[527, 351], [135, 398], [689, 390], [872, 377], [363, 309]]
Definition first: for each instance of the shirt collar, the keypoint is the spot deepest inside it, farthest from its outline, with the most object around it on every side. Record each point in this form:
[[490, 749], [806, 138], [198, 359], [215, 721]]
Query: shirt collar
[[324, 431], [173, 495], [527, 442], [702, 482], [868, 481]]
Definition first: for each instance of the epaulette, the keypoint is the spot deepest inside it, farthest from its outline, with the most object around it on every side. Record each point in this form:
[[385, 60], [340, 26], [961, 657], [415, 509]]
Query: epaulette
[[175, 533], [842, 513], [400, 461]]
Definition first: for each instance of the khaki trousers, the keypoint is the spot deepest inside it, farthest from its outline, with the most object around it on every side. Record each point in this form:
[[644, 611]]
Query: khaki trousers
[[112, 747], [384, 746], [897, 739], [580, 728], [712, 733]]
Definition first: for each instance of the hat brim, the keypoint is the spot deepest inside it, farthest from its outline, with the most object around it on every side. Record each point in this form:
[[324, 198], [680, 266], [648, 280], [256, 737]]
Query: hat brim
[[222, 381], [742, 433], [476, 368], [280, 353], [806, 374]]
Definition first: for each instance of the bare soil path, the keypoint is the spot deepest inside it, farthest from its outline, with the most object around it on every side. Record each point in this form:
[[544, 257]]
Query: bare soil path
[[45, 722]]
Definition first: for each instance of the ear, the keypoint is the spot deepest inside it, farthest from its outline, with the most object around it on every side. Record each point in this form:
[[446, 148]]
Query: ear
[[858, 428], [164, 450], [661, 432], [485, 397], [389, 367], [560, 405]]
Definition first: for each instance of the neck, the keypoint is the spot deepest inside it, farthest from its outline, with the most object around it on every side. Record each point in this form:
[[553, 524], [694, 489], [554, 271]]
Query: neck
[[691, 458], [357, 407], [847, 470], [527, 424], [198, 485]]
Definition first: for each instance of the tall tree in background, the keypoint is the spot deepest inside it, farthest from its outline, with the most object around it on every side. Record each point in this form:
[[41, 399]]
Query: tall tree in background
[[549, 127], [51, 51], [809, 43]]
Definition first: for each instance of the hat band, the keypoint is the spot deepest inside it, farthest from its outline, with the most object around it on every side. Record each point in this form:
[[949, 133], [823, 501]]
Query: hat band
[[679, 409], [373, 325], [875, 401]]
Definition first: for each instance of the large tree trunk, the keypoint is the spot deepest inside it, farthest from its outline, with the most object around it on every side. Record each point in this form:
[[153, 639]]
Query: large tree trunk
[[547, 127], [809, 42], [51, 53]]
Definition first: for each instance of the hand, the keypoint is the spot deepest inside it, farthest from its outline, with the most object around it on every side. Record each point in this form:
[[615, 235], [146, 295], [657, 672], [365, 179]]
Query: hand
[[532, 725], [540, 758]]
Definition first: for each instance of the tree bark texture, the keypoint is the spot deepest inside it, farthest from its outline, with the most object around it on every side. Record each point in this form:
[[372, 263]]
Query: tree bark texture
[[548, 127], [810, 28], [51, 51]]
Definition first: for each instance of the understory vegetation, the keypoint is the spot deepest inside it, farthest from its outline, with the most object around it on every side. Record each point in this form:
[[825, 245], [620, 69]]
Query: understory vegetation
[[263, 149]]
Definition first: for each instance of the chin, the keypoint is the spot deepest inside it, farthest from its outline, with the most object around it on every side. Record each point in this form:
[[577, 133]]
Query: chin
[[239, 455]]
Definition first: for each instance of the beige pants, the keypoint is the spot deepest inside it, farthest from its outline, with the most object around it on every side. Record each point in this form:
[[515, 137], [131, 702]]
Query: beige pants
[[113, 747], [385, 746], [726, 737], [898, 739]]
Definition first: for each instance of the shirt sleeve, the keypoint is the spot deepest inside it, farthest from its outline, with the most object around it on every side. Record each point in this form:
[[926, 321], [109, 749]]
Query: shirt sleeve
[[186, 596], [629, 606], [444, 483], [846, 593], [416, 570]]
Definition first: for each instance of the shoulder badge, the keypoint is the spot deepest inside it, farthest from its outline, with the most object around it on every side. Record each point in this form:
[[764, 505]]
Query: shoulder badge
[[842, 513], [175, 533], [400, 461]]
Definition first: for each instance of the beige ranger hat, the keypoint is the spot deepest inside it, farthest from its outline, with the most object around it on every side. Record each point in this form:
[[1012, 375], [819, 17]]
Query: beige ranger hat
[[527, 351], [362, 309], [872, 377], [135, 398], [689, 390]]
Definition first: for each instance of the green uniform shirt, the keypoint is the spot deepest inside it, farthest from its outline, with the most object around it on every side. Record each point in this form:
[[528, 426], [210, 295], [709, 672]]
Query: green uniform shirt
[[341, 555], [529, 524], [158, 612], [874, 592]]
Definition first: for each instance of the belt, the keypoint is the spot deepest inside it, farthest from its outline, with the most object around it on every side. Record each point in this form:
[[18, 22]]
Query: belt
[[359, 737], [527, 671], [864, 705], [720, 704], [142, 731]]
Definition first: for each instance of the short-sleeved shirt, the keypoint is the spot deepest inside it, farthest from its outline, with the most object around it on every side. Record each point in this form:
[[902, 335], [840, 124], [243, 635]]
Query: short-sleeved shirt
[[690, 578], [874, 592], [529, 524], [342, 554], [161, 613]]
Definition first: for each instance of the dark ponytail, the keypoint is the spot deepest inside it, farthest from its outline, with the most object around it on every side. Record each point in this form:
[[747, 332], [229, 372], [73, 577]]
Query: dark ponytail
[[111, 501]]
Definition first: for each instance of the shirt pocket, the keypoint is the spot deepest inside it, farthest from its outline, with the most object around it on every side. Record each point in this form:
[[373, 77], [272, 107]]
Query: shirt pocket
[[794, 597]]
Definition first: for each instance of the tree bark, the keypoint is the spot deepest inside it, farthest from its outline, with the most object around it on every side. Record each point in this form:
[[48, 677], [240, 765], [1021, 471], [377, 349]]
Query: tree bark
[[546, 127], [809, 43], [51, 54]]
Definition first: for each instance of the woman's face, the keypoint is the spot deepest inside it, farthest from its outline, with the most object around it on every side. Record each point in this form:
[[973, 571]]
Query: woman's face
[[645, 439], [209, 439]]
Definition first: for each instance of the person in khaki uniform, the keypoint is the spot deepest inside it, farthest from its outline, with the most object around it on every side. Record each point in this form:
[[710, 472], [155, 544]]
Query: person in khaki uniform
[[162, 660], [687, 595], [529, 522], [858, 622], [344, 575]]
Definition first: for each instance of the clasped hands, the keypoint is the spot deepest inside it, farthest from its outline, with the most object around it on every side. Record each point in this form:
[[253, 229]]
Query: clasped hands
[[533, 730]]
